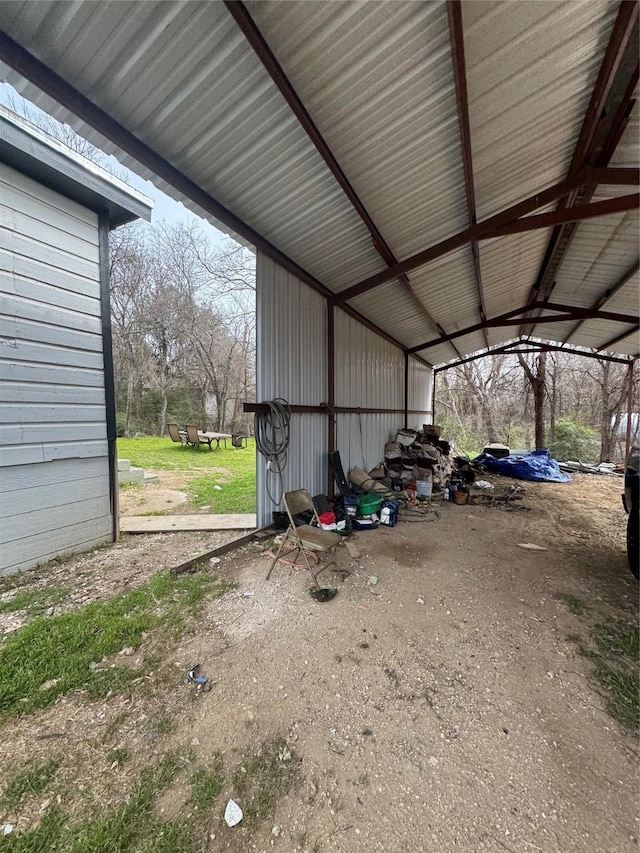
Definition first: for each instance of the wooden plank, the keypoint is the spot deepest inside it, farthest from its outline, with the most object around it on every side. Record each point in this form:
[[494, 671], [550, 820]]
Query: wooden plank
[[27, 454], [46, 354], [21, 455], [58, 235], [39, 202], [50, 413], [22, 183], [75, 450], [24, 371], [17, 477], [78, 547], [39, 311], [67, 493], [18, 392], [33, 271], [51, 433], [39, 521], [185, 567], [175, 523], [40, 332], [33, 550], [12, 241]]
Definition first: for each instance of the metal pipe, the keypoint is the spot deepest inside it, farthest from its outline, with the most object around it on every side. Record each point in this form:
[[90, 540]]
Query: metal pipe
[[627, 446]]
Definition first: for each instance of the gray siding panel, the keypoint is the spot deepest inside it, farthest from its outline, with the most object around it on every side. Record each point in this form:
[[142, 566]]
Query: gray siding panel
[[50, 474], [36, 550], [23, 392], [54, 473]]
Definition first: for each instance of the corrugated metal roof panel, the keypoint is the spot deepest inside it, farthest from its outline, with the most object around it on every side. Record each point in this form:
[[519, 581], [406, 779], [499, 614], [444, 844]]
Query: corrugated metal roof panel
[[377, 80], [531, 68], [509, 269], [601, 252], [254, 158], [596, 333]]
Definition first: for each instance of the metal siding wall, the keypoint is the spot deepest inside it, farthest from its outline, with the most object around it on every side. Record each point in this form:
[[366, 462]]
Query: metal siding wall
[[370, 374], [53, 460], [420, 392], [292, 363]]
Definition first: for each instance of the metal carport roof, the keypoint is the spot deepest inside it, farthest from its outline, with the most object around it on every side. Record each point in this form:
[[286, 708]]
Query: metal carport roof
[[393, 155]]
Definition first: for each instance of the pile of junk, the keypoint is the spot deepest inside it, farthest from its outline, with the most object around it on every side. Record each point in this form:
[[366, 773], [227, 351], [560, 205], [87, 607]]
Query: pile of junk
[[417, 466]]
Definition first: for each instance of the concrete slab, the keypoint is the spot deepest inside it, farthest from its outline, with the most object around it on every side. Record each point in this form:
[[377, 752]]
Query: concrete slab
[[181, 523]]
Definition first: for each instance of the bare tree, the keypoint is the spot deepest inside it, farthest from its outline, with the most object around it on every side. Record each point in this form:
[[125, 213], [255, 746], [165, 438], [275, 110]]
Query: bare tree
[[536, 377]]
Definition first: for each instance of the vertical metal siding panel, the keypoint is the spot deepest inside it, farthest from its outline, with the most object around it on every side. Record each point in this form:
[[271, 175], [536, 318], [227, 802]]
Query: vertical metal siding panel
[[369, 374], [44, 359], [420, 392], [292, 363]]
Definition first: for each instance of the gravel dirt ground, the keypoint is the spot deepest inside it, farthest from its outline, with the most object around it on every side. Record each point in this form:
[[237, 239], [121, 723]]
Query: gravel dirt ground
[[442, 708]]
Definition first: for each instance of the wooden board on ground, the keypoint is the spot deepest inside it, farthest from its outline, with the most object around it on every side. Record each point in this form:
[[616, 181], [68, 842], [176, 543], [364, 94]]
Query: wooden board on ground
[[175, 523]]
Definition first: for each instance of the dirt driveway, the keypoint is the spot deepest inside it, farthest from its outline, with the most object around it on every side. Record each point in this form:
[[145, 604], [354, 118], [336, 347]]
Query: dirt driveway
[[444, 707]]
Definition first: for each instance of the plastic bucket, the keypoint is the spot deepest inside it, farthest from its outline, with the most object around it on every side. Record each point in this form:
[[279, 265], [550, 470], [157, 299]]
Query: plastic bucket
[[423, 489], [368, 504]]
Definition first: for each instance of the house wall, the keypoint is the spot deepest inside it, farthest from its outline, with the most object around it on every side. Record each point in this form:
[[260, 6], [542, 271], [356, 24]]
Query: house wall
[[54, 472]]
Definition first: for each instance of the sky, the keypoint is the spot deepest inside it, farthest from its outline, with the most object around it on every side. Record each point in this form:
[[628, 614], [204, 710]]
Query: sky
[[165, 207]]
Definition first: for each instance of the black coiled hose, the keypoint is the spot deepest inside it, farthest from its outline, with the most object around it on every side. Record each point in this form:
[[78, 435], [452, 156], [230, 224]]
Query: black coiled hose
[[272, 441]]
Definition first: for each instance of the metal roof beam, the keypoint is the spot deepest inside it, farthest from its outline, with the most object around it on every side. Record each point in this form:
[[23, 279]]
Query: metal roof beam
[[571, 214], [608, 294], [456, 39], [258, 43], [619, 338], [514, 348], [510, 318], [477, 232], [611, 90]]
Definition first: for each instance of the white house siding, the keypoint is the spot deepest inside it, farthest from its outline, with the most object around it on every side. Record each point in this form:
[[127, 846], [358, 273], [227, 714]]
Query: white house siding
[[292, 363], [54, 473]]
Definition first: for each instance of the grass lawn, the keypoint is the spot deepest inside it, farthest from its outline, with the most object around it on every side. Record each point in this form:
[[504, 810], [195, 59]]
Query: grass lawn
[[233, 471]]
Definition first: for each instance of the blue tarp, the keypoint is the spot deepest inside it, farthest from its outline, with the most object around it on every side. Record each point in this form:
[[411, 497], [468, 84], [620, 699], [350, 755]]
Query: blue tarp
[[537, 466]]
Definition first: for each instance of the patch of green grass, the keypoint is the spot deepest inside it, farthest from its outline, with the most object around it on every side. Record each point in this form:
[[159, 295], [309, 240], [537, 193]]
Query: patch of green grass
[[71, 651], [164, 726], [132, 827], [235, 470], [31, 779], [576, 605], [35, 601], [264, 777], [206, 784], [117, 756], [615, 655], [236, 495]]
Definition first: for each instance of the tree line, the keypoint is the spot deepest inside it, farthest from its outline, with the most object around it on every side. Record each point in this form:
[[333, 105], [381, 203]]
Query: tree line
[[183, 325], [572, 405]]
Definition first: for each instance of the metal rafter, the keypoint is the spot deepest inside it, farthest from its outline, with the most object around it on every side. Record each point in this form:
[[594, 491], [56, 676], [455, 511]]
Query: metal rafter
[[256, 40], [598, 136], [488, 227], [577, 213], [511, 318], [456, 38], [534, 347], [608, 294]]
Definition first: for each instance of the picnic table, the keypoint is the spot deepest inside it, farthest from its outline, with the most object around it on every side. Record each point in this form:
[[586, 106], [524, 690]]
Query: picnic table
[[208, 437]]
